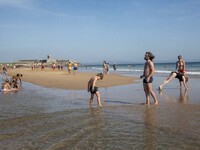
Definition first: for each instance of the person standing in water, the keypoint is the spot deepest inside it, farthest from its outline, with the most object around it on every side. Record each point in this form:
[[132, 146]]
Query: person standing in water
[[93, 89], [114, 67], [148, 78]]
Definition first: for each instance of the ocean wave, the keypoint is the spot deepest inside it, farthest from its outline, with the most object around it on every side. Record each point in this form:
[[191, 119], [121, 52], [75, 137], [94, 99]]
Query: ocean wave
[[141, 70]]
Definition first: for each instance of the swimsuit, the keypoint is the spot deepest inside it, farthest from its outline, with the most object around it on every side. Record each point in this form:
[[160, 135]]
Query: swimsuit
[[94, 91], [4, 72], [2, 90], [181, 71], [179, 76], [150, 80]]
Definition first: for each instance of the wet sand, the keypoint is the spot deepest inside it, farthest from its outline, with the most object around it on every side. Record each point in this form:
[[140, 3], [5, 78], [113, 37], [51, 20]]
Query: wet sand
[[62, 80], [37, 117]]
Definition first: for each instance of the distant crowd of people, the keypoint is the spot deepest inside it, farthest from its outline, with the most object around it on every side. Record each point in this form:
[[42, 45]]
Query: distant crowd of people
[[71, 66]]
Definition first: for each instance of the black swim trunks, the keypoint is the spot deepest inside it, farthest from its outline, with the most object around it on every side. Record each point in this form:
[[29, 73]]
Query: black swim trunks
[[150, 80], [179, 76], [94, 91]]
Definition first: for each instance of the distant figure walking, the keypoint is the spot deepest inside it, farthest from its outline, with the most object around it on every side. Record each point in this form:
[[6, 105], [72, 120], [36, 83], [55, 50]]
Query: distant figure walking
[[114, 67], [42, 66], [104, 65], [148, 78], [33, 66], [53, 66], [69, 67], [75, 67], [4, 72], [93, 89], [107, 68], [173, 75]]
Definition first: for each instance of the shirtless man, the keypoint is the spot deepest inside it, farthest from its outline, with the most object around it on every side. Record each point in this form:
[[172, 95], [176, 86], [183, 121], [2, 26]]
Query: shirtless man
[[93, 89], [148, 79], [180, 66]]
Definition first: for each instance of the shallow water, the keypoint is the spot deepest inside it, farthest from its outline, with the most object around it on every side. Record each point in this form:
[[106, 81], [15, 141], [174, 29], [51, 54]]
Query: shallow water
[[41, 118]]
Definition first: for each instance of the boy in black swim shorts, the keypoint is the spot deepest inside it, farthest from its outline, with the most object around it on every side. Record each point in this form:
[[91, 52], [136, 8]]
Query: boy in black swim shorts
[[93, 89]]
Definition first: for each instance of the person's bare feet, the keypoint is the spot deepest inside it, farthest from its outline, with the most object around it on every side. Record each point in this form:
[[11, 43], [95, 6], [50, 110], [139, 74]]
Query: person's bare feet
[[156, 103], [159, 88]]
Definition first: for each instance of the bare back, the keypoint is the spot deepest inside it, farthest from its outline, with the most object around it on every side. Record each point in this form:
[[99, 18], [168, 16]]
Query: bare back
[[92, 82]]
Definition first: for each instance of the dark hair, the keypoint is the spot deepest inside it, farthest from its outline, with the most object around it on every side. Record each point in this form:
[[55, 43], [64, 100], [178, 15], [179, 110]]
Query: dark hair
[[151, 56], [100, 75], [19, 75], [7, 81], [179, 56]]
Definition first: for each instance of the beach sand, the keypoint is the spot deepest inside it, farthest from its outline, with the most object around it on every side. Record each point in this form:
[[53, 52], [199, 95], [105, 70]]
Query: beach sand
[[62, 80]]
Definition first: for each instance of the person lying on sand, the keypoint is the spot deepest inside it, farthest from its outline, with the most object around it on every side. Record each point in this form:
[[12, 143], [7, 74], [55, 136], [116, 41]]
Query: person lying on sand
[[6, 87]]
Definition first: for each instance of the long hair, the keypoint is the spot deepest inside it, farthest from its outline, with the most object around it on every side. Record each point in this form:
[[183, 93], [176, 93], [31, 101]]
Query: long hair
[[151, 56]]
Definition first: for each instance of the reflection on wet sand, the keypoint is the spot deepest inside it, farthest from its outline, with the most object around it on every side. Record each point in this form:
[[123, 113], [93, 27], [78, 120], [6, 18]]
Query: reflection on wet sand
[[150, 138], [182, 98]]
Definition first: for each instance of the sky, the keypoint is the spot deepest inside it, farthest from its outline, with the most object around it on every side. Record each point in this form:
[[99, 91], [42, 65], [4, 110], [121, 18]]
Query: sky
[[91, 31]]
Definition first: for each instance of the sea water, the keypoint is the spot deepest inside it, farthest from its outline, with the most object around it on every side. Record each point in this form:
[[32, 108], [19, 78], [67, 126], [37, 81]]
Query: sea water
[[192, 68]]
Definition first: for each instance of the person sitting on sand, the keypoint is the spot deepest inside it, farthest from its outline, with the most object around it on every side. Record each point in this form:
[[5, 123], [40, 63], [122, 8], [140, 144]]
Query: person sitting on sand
[[175, 74], [17, 78], [6, 87], [93, 89], [148, 78]]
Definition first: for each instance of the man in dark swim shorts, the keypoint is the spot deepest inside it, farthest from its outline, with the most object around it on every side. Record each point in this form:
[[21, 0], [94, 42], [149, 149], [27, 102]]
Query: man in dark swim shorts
[[150, 80]]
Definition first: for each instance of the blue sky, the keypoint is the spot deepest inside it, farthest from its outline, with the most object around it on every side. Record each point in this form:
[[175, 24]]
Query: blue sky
[[91, 31]]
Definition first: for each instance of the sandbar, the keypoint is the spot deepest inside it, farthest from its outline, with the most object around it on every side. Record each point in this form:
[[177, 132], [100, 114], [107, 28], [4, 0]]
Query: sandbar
[[62, 79]]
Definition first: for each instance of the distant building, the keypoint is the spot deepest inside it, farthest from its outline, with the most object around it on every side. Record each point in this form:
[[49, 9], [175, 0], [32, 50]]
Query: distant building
[[48, 62]]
